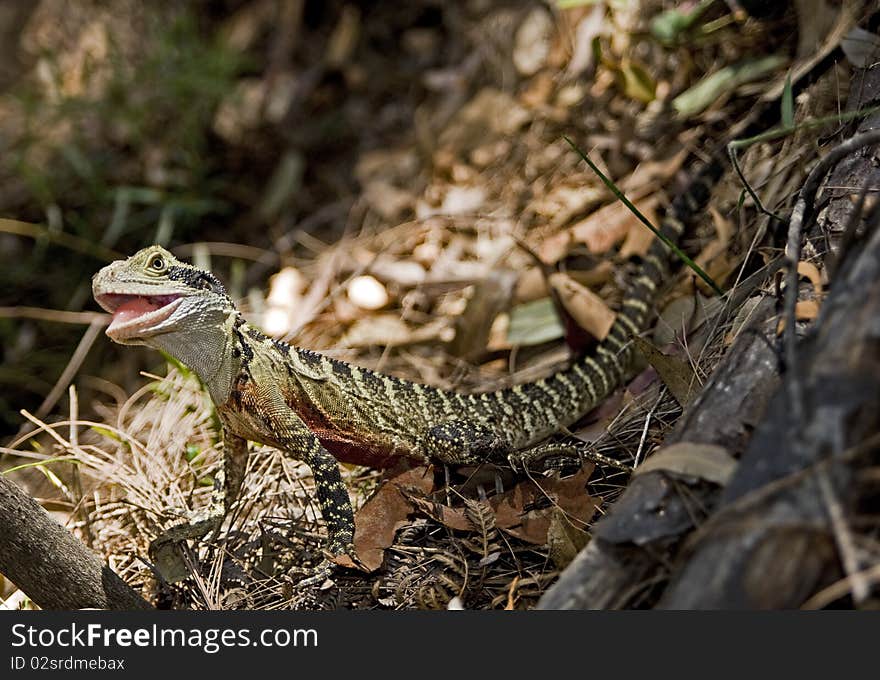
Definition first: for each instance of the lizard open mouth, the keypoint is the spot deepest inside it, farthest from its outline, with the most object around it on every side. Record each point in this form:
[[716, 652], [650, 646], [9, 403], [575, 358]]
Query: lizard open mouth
[[136, 315]]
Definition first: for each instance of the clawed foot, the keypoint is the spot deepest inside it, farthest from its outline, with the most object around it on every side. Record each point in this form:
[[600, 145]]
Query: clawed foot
[[163, 549], [333, 559], [557, 456]]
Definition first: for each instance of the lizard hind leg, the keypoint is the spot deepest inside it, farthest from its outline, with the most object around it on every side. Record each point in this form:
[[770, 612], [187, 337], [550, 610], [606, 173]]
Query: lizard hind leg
[[337, 511], [463, 442], [555, 455]]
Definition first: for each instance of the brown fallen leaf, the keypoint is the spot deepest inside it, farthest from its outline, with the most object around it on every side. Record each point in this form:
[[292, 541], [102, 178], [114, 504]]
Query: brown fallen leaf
[[638, 240], [678, 319], [806, 310], [611, 223], [564, 539], [676, 374], [515, 510], [599, 231], [810, 271], [452, 518], [385, 512], [706, 461], [650, 175], [587, 309]]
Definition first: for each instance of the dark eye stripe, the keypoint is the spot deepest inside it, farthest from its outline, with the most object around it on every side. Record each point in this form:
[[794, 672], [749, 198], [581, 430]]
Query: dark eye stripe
[[195, 278]]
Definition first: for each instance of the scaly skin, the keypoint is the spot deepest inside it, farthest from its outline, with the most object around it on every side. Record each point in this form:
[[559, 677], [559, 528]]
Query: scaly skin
[[321, 410]]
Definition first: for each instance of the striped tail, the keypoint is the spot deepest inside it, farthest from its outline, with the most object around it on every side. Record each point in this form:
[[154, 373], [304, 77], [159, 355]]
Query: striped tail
[[566, 396]]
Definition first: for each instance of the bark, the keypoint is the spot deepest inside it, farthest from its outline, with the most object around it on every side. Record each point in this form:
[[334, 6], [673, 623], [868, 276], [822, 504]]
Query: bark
[[632, 546], [787, 524], [49, 564]]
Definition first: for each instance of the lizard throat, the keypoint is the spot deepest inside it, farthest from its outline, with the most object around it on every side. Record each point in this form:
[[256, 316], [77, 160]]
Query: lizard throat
[[135, 316]]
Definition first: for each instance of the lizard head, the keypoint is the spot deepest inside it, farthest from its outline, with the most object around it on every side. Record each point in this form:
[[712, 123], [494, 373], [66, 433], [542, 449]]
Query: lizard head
[[153, 294]]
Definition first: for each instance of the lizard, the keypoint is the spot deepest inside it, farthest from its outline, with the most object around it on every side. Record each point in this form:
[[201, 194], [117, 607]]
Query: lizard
[[324, 411], [321, 410]]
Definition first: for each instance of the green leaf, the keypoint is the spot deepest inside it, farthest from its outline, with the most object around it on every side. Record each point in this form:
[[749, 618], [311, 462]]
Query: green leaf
[[787, 115], [699, 97], [532, 323], [104, 432], [636, 82], [669, 26]]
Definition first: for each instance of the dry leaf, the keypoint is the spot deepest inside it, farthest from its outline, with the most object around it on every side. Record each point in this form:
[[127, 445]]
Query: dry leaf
[[461, 200], [567, 199], [401, 272], [806, 310], [650, 175], [679, 318], [514, 510], [677, 375], [389, 201], [452, 518], [587, 309], [610, 224], [638, 240], [490, 297], [532, 284], [532, 42], [564, 540], [491, 113], [367, 293], [706, 461], [385, 512], [810, 271], [512, 513], [538, 91]]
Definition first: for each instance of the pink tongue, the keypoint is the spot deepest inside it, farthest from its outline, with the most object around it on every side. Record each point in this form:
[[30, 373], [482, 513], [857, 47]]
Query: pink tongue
[[133, 309]]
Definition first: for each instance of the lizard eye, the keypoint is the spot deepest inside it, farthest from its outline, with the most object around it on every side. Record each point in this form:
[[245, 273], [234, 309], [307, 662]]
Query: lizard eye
[[157, 263]]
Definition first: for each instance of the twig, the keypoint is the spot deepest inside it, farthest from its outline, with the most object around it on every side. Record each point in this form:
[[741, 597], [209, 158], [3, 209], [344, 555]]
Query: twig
[[61, 238], [734, 160], [840, 588], [801, 218], [56, 315], [843, 537], [644, 436]]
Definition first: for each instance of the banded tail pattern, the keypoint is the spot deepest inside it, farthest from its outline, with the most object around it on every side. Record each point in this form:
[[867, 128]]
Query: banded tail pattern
[[543, 407]]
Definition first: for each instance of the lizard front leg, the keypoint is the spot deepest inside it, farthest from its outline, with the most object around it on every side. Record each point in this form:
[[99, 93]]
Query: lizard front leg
[[298, 441], [227, 484], [335, 507]]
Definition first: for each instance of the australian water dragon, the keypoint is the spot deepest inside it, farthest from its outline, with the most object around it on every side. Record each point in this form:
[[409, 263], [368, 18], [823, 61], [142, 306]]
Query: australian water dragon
[[322, 411]]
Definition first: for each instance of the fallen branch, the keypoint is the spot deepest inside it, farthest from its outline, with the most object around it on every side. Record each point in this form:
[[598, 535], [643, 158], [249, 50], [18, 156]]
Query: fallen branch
[[49, 564]]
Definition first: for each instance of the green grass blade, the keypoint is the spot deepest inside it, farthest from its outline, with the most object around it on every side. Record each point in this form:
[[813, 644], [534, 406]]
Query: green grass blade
[[644, 220]]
